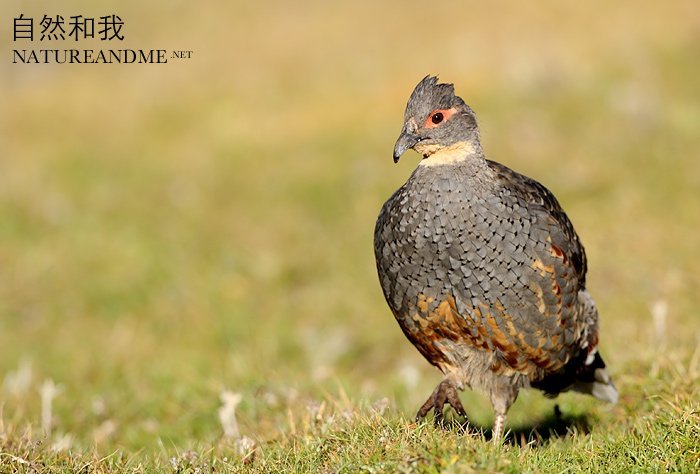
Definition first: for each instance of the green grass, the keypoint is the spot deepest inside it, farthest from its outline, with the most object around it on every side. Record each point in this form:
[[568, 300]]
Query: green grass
[[171, 232]]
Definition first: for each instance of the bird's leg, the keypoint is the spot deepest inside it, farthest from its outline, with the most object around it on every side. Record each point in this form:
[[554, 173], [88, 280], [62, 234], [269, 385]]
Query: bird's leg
[[499, 428], [445, 392], [557, 413], [503, 395]]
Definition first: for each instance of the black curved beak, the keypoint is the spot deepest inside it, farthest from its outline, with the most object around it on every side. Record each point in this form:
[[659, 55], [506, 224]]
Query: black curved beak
[[406, 141]]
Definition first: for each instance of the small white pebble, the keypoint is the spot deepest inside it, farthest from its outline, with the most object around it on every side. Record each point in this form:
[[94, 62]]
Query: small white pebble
[[227, 413], [99, 407], [315, 410], [271, 399], [17, 383], [659, 313], [380, 406], [409, 376], [245, 447], [62, 443], [104, 431], [48, 391]]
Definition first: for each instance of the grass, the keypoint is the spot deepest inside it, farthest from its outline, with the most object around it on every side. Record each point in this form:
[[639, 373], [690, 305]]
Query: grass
[[169, 233]]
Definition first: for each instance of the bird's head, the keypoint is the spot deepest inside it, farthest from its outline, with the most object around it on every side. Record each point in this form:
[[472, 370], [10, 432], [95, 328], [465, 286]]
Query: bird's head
[[437, 120]]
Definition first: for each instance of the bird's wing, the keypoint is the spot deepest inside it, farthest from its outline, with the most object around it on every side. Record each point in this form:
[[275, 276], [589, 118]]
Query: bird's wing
[[539, 197], [534, 322]]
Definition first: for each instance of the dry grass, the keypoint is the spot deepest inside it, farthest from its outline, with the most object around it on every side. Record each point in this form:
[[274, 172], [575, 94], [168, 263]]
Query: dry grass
[[168, 233]]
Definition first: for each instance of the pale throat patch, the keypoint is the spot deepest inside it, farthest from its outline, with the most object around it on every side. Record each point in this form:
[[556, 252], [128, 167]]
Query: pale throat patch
[[437, 155]]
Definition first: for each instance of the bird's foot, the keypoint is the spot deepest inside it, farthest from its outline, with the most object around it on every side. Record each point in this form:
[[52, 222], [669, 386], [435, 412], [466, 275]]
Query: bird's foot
[[445, 392]]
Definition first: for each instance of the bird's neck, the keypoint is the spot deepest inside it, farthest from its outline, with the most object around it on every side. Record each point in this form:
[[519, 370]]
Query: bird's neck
[[458, 152]]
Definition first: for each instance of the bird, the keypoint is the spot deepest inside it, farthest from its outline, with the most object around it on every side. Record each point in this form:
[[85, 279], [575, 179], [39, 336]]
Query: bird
[[482, 268]]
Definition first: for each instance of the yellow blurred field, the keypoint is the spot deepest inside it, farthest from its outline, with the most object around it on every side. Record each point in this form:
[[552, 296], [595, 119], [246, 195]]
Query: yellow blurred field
[[169, 232]]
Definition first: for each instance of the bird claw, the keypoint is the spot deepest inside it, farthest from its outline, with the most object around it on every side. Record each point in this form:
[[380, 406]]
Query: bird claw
[[445, 392]]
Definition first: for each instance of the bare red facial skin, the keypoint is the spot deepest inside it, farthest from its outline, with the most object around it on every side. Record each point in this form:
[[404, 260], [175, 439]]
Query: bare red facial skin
[[446, 115]]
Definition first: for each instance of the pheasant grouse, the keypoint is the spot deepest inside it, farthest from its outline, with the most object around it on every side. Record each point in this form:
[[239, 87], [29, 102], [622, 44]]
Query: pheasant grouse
[[482, 268]]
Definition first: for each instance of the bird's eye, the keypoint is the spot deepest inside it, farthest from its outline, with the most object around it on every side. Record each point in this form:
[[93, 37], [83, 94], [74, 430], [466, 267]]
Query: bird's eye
[[438, 116]]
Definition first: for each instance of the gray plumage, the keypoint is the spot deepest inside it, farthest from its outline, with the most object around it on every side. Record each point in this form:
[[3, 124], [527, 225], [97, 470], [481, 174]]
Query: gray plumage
[[482, 268]]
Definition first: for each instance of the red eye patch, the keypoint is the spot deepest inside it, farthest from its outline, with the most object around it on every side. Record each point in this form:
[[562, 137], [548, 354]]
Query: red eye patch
[[437, 117]]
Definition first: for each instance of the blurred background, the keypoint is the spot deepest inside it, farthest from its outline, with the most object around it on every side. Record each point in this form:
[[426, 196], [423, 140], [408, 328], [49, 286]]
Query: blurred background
[[171, 231]]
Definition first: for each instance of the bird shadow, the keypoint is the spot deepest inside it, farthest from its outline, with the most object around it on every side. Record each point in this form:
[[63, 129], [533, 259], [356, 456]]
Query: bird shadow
[[554, 426]]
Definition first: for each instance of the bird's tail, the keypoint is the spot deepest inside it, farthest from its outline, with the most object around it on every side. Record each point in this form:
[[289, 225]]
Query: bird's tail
[[593, 379], [584, 374]]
